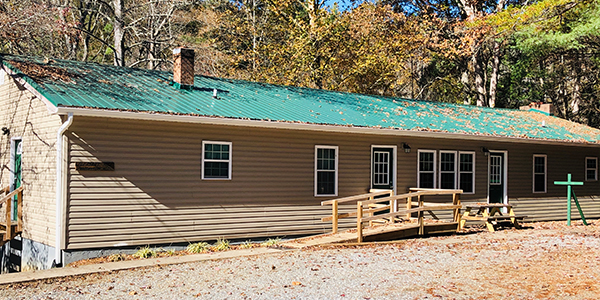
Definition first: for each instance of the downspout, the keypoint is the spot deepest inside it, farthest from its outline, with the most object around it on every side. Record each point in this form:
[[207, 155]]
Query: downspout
[[60, 193]]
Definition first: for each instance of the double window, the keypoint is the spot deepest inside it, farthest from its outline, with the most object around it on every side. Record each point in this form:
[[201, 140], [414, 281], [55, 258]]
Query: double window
[[539, 173], [326, 170], [216, 160], [591, 168], [456, 169]]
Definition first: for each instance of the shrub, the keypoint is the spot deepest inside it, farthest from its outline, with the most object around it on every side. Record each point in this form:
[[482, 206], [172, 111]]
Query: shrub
[[198, 247], [246, 245], [222, 245], [116, 257], [145, 252], [271, 242]]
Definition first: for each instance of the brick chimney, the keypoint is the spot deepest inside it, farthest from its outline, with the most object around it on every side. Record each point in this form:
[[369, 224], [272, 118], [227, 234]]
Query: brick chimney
[[546, 108], [183, 67]]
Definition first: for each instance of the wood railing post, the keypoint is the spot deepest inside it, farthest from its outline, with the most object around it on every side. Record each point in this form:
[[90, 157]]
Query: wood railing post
[[334, 215], [456, 201], [20, 211], [421, 225], [408, 207], [359, 227], [8, 235], [370, 214]]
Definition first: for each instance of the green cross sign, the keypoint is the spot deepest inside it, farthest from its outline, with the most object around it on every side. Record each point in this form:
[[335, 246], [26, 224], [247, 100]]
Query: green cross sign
[[569, 185]]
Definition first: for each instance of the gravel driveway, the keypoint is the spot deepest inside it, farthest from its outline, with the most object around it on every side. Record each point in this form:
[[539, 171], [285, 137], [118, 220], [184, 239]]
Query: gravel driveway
[[549, 261]]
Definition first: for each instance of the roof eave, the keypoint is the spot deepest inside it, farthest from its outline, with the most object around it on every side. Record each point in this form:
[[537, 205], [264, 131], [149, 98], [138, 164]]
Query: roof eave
[[51, 107], [148, 116]]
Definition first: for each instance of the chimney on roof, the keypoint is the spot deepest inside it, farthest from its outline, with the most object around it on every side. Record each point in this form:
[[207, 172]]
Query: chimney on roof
[[546, 108], [183, 67]]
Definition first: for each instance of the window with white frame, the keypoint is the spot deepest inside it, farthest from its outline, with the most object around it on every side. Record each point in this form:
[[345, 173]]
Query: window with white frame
[[466, 172], [426, 169], [216, 160], [591, 168], [539, 173], [326, 166], [447, 169]]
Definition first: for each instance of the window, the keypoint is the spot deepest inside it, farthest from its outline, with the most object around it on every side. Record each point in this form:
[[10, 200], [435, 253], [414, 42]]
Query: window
[[466, 172], [426, 169], [216, 160], [495, 170], [326, 165], [539, 173], [591, 168], [447, 169]]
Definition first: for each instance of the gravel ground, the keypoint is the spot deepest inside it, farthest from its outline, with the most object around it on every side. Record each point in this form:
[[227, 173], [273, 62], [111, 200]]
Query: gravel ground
[[546, 261]]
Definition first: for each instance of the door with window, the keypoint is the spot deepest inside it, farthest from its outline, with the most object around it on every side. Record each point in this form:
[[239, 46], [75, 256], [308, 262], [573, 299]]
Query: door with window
[[17, 150], [496, 177], [382, 169]]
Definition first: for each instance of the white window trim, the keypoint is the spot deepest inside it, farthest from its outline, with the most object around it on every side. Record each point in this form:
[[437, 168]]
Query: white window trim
[[440, 172], [217, 160], [545, 174], [459, 172], [434, 167], [336, 148], [586, 168]]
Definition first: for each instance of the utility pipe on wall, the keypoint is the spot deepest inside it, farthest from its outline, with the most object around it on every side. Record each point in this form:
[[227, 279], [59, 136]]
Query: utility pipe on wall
[[60, 188]]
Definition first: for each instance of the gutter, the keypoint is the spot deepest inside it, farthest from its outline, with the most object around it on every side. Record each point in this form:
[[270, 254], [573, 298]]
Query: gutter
[[104, 113], [60, 189]]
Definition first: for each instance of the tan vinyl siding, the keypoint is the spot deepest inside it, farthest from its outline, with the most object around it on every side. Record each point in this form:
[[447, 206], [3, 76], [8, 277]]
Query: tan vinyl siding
[[156, 195], [28, 118]]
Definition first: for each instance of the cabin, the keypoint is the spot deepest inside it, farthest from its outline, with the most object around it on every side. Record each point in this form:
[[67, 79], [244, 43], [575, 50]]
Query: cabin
[[111, 158]]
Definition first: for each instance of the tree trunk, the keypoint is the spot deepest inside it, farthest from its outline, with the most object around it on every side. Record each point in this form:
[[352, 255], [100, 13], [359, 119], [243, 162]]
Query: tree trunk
[[479, 80], [494, 75], [118, 28]]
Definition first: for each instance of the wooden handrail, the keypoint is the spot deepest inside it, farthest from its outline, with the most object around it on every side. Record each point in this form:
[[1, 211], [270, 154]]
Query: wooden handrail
[[406, 213], [334, 206], [354, 198], [414, 210], [9, 230], [435, 190], [12, 194]]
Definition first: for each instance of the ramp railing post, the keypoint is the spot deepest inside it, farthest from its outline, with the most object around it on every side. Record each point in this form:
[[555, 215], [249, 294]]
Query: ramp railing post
[[9, 209], [359, 227], [334, 216]]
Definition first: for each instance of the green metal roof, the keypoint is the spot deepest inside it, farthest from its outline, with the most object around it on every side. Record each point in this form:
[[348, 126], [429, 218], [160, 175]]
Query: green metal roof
[[89, 85]]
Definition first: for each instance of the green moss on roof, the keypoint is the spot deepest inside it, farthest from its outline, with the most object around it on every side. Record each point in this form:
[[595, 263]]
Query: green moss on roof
[[90, 85]]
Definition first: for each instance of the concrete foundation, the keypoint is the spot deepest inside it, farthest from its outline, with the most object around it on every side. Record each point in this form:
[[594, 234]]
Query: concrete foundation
[[22, 254]]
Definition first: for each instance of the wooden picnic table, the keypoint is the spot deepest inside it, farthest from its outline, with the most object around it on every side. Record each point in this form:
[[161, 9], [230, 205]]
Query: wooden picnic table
[[488, 213]]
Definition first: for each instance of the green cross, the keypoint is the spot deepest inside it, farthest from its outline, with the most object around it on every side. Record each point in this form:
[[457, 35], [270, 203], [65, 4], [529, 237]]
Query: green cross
[[569, 185]]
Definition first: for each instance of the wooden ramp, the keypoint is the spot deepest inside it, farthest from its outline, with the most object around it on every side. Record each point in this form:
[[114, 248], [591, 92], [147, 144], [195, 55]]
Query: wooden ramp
[[385, 232], [383, 206]]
